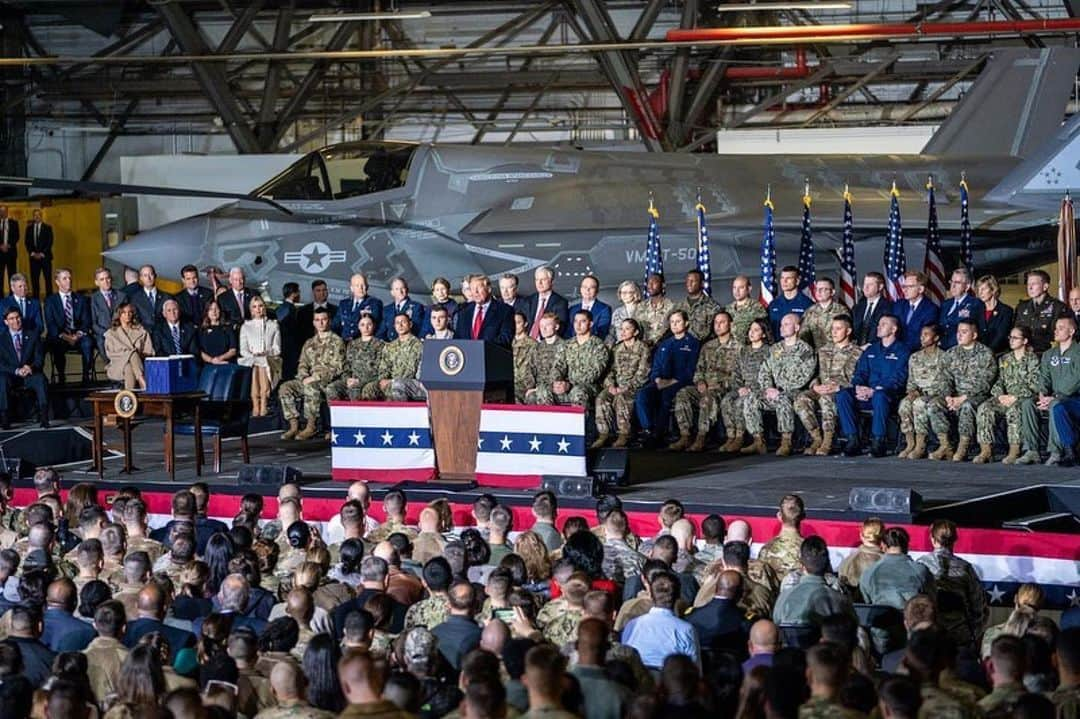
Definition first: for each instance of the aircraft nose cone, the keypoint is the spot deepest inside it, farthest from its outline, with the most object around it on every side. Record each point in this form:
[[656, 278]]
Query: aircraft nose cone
[[167, 248]]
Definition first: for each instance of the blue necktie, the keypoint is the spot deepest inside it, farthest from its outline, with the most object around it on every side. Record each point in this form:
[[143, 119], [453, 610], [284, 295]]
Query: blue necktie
[[176, 337]]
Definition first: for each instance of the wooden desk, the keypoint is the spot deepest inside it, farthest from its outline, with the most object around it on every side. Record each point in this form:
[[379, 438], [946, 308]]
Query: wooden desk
[[153, 405]]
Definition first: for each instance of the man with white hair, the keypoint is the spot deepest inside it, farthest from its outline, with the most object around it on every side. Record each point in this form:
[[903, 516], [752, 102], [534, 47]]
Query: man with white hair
[[546, 300], [236, 303], [233, 597]]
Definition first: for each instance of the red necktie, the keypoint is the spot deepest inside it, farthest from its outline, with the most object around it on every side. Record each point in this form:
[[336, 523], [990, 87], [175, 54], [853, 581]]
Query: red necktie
[[534, 332], [478, 319]]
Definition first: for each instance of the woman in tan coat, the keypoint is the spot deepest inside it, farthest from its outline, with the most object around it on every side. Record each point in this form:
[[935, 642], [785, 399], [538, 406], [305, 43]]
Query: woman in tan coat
[[260, 349], [126, 344]]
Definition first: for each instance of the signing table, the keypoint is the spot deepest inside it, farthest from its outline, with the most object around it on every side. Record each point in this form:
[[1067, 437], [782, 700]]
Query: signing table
[[168, 406]]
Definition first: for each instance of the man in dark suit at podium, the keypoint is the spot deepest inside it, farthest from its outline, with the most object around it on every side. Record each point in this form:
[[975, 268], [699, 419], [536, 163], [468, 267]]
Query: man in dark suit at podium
[[485, 319]]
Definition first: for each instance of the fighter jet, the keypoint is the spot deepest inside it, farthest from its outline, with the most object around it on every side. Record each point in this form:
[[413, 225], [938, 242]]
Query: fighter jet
[[421, 211]]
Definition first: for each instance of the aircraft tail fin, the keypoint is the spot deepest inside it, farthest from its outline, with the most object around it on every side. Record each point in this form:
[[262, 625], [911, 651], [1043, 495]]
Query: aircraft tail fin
[[1015, 105]]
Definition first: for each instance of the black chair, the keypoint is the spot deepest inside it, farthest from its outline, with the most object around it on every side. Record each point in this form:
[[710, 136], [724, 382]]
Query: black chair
[[226, 409], [802, 636]]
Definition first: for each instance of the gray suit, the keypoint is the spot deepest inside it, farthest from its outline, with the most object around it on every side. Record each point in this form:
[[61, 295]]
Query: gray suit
[[101, 316]]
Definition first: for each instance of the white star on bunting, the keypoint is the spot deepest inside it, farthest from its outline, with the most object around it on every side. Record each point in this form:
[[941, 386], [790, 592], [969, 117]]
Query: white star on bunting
[[995, 594], [534, 444], [1074, 598], [360, 437], [414, 439], [333, 438], [564, 446], [506, 442], [387, 438], [479, 442]]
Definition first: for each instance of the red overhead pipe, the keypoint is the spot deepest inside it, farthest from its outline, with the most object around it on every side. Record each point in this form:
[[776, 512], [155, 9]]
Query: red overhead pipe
[[871, 31], [800, 69]]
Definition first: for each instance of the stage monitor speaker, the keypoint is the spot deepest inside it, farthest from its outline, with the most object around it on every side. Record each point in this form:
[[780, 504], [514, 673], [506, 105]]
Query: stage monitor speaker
[[17, 468], [570, 487], [884, 500], [275, 474], [610, 467]]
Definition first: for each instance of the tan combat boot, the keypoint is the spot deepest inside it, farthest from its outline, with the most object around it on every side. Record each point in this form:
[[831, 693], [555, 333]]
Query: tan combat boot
[[309, 429], [986, 454], [621, 441], [699, 443], [755, 447], [826, 444], [784, 450], [600, 441], [815, 444], [919, 450], [681, 443], [1013, 455], [909, 445], [944, 448], [294, 428], [734, 443], [962, 449]]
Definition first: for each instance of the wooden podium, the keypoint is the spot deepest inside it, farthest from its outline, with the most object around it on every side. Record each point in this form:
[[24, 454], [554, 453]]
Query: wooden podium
[[459, 376]]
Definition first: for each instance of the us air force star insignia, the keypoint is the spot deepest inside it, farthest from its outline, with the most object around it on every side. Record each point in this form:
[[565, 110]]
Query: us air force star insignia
[[314, 257], [451, 360]]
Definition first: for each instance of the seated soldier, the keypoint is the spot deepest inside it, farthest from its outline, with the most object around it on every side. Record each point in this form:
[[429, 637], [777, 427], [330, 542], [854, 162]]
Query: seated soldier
[[582, 365], [712, 380], [627, 374], [672, 369], [440, 324], [544, 358], [361, 375], [522, 349], [926, 378], [836, 365], [399, 365], [1059, 395], [970, 370], [1017, 380], [744, 382], [321, 361], [786, 372]]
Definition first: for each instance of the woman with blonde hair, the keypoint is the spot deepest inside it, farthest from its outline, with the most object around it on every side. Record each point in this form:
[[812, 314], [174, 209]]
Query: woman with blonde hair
[[1029, 600], [997, 317], [630, 296], [127, 343], [260, 349], [531, 548]]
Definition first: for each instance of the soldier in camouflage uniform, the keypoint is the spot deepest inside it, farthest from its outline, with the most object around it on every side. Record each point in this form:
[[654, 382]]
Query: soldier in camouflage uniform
[[629, 371], [817, 321], [545, 358], [786, 371], [1040, 311], [926, 378], [399, 365], [836, 365], [969, 373], [964, 618], [712, 380], [744, 382], [744, 309], [653, 313], [620, 560], [321, 362], [428, 613], [361, 375], [698, 306], [1018, 379], [581, 369], [522, 349], [782, 551]]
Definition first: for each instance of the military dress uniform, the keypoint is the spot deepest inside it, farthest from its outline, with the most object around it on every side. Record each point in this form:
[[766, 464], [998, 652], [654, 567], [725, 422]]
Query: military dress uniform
[[742, 315], [1040, 319], [654, 318], [788, 368], [748, 363], [399, 361], [816, 328], [322, 357], [582, 365], [361, 363], [701, 312], [715, 367], [629, 371], [835, 364], [522, 349], [544, 362], [1017, 377], [970, 372]]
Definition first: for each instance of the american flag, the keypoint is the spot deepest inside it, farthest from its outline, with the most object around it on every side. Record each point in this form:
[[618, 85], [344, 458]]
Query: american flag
[[704, 263], [967, 256], [768, 257], [847, 256], [654, 256], [807, 273], [933, 266], [1066, 247], [895, 261]]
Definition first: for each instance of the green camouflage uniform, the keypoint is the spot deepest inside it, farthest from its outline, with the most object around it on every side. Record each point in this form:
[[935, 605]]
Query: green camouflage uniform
[[583, 365], [620, 561], [551, 611], [1066, 702], [322, 357], [818, 708], [298, 710], [399, 362], [715, 367], [701, 312], [1000, 703], [1018, 377], [654, 320], [835, 364], [968, 372], [926, 378], [1040, 320], [747, 364], [563, 627], [1059, 376], [965, 617], [782, 551], [937, 703], [390, 526], [629, 370], [544, 362], [428, 613], [522, 349], [741, 317], [816, 328], [361, 363], [788, 368]]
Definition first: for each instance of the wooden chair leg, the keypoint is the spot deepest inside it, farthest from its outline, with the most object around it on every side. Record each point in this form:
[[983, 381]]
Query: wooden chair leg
[[244, 449], [217, 454]]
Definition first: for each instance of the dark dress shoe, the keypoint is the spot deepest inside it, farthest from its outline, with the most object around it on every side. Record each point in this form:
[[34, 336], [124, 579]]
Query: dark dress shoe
[[852, 448]]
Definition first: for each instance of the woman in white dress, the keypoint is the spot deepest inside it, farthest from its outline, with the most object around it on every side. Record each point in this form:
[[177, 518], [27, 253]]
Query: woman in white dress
[[260, 349]]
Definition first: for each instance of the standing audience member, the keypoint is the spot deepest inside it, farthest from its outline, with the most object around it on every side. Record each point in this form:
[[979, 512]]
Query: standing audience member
[[39, 246]]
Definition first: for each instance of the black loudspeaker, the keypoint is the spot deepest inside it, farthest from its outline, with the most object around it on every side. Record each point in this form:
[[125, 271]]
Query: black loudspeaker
[[570, 487], [275, 474], [884, 500], [610, 467]]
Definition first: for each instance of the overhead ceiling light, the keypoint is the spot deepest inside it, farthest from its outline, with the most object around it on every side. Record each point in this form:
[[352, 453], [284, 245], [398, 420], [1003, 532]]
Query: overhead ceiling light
[[362, 16], [751, 6]]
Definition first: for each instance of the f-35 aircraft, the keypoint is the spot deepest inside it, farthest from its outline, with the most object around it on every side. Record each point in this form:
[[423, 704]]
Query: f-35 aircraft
[[423, 211]]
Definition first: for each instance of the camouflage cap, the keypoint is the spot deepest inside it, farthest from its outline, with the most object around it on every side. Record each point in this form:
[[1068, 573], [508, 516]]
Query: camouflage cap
[[420, 645]]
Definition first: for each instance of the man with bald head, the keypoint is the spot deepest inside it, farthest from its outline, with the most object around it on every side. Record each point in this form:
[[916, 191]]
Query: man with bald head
[[362, 683], [764, 643], [62, 632], [494, 636], [404, 587], [152, 605], [459, 634], [360, 492], [721, 624], [289, 687], [759, 571], [604, 697]]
